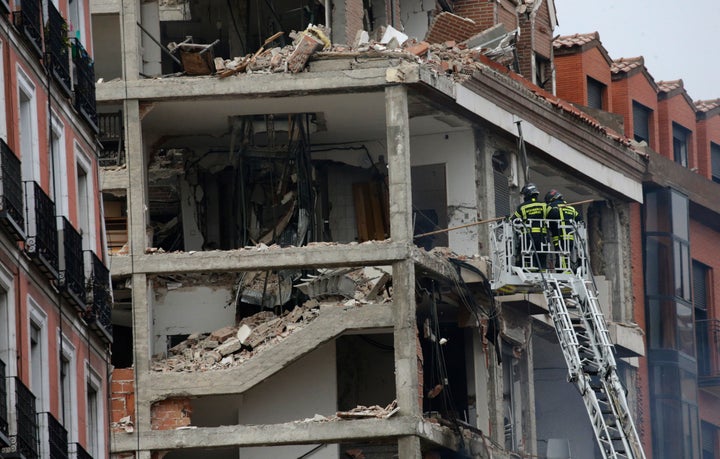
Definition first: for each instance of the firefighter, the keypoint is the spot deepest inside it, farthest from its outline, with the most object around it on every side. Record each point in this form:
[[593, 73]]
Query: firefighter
[[532, 214], [562, 221]]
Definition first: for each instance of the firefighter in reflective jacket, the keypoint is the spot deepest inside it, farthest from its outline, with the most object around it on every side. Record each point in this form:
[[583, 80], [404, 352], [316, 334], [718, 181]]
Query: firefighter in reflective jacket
[[532, 212], [562, 220]]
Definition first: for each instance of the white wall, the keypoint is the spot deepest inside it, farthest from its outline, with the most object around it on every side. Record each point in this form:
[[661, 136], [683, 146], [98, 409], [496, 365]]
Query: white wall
[[415, 18], [457, 151], [106, 34], [187, 310]]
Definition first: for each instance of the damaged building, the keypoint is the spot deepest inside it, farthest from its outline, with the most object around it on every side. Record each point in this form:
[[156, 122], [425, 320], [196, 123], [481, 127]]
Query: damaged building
[[276, 206]]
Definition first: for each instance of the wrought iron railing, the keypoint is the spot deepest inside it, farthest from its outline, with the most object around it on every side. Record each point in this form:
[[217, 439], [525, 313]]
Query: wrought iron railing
[[4, 426], [42, 241], [11, 196], [80, 452], [27, 427], [57, 438], [708, 348], [111, 135], [99, 297], [57, 47], [28, 19], [72, 268], [84, 84]]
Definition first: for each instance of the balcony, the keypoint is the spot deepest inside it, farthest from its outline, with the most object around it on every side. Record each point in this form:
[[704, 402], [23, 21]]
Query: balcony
[[27, 428], [84, 74], [111, 137], [11, 197], [42, 241], [57, 47], [29, 21], [56, 435], [4, 430], [71, 273], [99, 300]]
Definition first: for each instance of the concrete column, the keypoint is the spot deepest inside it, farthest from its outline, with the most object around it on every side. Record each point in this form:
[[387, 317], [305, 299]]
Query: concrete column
[[130, 41], [142, 331], [398, 149], [406, 362], [485, 186], [527, 383], [136, 194]]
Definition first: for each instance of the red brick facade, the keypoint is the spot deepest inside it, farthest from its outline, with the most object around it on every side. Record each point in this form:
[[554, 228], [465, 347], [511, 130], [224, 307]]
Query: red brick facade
[[170, 414], [122, 397], [708, 131], [629, 88], [676, 108]]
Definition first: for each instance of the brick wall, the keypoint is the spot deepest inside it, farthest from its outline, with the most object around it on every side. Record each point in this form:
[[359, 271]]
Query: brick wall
[[122, 396], [643, 424], [506, 15], [482, 12], [525, 47], [171, 413], [638, 88], [708, 130], [570, 78], [447, 26], [353, 19], [676, 109]]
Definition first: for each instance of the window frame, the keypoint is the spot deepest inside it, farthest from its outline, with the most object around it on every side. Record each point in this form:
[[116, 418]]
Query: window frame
[[30, 162], [637, 107], [68, 407], [94, 381], [83, 162], [59, 172], [593, 86], [715, 162], [681, 144]]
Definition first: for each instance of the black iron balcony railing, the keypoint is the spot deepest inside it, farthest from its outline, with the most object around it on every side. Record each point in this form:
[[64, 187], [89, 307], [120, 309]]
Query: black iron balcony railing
[[28, 19], [71, 272], [42, 241], [11, 198], [111, 137], [98, 297], [57, 48], [4, 427], [84, 84], [80, 452], [57, 437], [707, 333], [27, 427]]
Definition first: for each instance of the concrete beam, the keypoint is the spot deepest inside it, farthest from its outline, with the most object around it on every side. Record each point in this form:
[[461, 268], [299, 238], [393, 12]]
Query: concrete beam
[[379, 253], [104, 6], [253, 85], [114, 179], [289, 433], [120, 265], [329, 325]]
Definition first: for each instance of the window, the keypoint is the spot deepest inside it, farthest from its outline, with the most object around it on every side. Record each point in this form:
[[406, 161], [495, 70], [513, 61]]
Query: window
[[38, 356], [681, 137], [596, 94], [68, 388], [95, 431], [641, 122], [58, 164], [543, 73], [85, 192], [702, 326], [8, 349], [29, 149], [710, 441], [75, 19], [715, 161]]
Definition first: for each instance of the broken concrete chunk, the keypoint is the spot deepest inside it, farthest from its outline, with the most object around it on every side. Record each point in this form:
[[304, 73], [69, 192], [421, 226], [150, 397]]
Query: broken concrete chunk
[[230, 346], [307, 46], [243, 333], [391, 33], [209, 344]]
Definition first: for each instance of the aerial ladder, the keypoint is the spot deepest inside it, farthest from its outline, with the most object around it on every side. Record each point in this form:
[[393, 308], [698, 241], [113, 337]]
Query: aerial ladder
[[571, 295]]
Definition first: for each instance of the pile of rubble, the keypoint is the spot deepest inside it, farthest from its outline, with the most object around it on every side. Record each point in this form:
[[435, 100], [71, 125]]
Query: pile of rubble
[[458, 59], [232, 345]]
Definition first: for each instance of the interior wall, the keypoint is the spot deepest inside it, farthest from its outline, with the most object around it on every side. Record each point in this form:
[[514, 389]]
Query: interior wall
[[415, 16], [187, 310], [300, 391], [365, 370], [106, 39], [457, 151], [558, 403]]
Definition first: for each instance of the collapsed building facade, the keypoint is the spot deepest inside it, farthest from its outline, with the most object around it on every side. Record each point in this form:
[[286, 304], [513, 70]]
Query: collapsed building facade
[[276, 291]]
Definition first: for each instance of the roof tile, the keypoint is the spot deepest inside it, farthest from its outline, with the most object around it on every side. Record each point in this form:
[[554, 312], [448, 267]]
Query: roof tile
[[625, 64], [670, 85], [578, 39], [707, 105]]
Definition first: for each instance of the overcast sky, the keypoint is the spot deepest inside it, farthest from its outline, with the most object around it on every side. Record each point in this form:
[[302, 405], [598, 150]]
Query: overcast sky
[[679, 40]]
